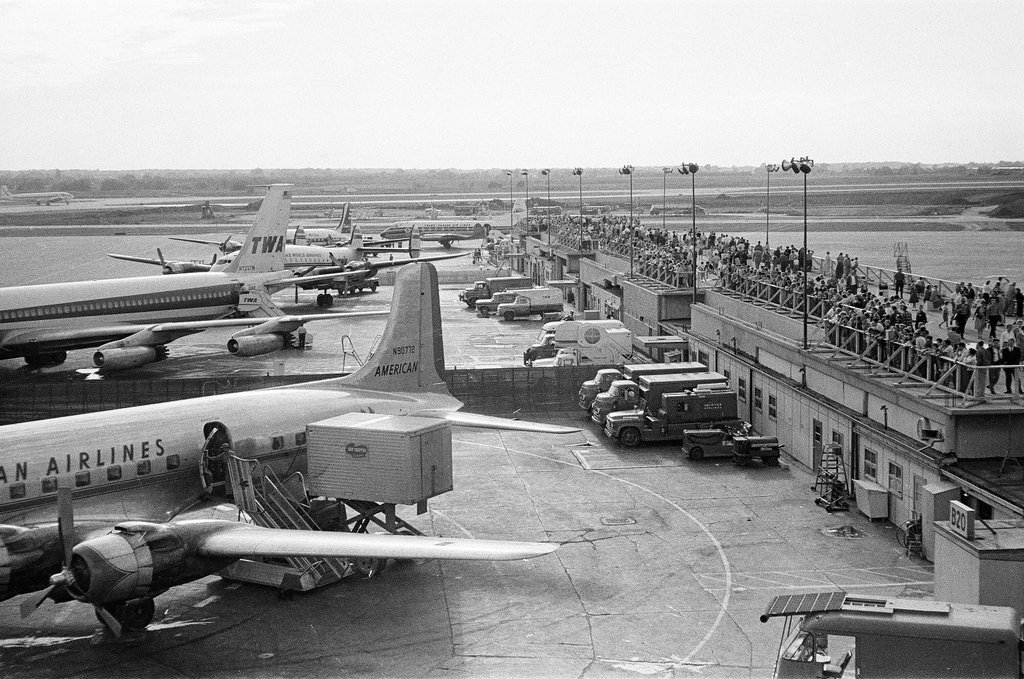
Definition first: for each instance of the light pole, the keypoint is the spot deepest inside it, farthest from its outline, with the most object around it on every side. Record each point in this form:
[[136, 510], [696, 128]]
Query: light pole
[[802, 165], [769, 168], [526, 173], [691, 169], [547, 173], [666, 171], [511, 209], [578, 171], [628, 170]]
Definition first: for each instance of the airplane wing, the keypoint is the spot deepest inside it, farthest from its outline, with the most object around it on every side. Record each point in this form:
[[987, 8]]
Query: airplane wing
[[242, 541], [234, 245], [169, 266], [463, 419], [305, 279], [141, 260]]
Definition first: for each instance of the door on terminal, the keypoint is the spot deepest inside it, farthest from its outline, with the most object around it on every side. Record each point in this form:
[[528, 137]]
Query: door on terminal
[[816, 442]]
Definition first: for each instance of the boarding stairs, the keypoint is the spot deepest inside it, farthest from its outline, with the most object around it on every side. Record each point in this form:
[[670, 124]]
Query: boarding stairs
[[901, 251], [272, 503], [831, 482]]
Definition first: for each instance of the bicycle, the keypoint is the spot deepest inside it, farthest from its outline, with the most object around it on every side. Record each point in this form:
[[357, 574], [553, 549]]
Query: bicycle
[[908, 533]]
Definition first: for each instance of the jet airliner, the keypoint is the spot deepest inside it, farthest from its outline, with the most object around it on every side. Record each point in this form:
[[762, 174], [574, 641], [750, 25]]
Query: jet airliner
[[135, 470], [43, 198]]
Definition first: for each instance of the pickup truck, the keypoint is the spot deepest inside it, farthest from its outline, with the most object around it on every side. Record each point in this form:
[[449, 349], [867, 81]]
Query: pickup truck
[[531, 302]]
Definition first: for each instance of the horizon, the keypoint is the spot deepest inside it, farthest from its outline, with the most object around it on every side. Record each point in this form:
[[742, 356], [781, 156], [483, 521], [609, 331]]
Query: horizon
[[114, 85]]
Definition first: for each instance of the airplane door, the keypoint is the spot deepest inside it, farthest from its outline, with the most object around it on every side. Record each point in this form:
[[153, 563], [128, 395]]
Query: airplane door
[[214, 467]]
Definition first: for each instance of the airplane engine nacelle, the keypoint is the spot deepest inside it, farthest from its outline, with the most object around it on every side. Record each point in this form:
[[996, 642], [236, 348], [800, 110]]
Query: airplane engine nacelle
[[185, 267], [28, 557], [255, 345], [138, 559], [128, 357]]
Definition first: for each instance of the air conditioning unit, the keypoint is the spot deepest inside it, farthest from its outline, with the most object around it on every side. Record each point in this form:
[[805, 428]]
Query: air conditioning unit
[[928, 432]]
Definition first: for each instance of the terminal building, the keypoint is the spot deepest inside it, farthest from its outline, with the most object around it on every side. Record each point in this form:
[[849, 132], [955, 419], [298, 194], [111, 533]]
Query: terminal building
[[905, 432]]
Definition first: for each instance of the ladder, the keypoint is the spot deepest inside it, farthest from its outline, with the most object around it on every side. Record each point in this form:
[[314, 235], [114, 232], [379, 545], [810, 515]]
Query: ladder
[[901, 251], [269, 503], [831, 482]]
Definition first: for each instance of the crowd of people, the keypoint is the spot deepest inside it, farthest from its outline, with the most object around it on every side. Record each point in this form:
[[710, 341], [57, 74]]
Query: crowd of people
[[894, 320]]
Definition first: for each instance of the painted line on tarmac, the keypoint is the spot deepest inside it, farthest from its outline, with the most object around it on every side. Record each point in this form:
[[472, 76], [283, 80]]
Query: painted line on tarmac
[[714, 541]]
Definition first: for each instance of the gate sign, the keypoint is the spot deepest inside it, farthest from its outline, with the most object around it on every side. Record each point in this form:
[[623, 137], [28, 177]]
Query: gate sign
[[961, 519]]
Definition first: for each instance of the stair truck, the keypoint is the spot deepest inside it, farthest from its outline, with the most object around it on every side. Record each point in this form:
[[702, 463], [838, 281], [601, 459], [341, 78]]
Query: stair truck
[[726, 441], [630, 395], [558, 334], [600, 346], [603, 379], [888, 637], [677, 412], [532, 302], [486, 288]]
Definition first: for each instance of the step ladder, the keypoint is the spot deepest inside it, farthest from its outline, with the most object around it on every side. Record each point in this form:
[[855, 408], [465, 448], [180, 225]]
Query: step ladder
[[831, 482], [901, 251], [272, 503]]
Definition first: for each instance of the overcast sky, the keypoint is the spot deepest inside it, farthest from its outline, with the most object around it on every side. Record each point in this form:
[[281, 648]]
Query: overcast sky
[[486, 83]]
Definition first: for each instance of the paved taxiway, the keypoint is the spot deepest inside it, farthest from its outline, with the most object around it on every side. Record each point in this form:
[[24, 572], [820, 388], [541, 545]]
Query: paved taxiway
[[664, 567]]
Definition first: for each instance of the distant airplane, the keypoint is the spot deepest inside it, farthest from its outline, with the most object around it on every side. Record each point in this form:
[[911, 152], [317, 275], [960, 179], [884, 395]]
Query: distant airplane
[[312, 263], [447, 231], [141, 467], [44, 198], [131, 320]]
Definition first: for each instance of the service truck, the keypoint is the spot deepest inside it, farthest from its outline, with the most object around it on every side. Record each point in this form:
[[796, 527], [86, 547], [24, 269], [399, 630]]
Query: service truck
[[531, 302], [890, 637], [647, 391], [674, 413], [486, 307], [738, 444], [557, 334], [607, 347], [604, 378], [486, 288]]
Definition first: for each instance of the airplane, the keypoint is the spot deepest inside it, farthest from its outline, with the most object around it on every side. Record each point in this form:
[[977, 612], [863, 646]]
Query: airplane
[[44, 198], [135, 471], [312, 262], [131, 320], [448, 231]]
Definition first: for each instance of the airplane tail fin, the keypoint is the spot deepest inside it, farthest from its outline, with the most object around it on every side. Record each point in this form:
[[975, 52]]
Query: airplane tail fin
[[410, 355], [518, 211], [414, 242], [4, 193], [356, 241], [346, 217], [263, 249]]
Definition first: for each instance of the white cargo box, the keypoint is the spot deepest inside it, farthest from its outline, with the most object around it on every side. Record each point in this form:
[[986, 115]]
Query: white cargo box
[[379, 458]]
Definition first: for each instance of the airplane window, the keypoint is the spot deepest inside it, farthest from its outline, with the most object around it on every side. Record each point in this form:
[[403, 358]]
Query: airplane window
[[300, 438], [82, 478], [173, 461], [17, 491], [50, 484], [277, 443], [144, 467], [114, 473]]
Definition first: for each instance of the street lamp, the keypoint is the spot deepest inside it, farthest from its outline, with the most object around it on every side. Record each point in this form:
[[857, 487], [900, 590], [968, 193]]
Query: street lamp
[[547, 173], [691, 169], [511, 209], [628, 169], [666, 171], [578, 171], [802, 166], [526, 173], [769, 168]]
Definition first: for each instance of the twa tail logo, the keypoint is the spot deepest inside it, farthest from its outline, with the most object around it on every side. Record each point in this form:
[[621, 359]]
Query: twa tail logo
[[269, 244]]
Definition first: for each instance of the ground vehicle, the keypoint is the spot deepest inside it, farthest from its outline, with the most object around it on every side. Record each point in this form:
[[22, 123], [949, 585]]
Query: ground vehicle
[[604, 378], [894, 637], [486, 288], [621, 397], [609, 346], [729, 442], [488, 306], [531, 302], [701, 408], [558, 334]]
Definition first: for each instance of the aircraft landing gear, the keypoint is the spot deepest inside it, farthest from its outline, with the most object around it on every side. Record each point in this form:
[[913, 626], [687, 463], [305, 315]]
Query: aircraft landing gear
[[42, 360], [134, 615], [325, 300], [368, 567]]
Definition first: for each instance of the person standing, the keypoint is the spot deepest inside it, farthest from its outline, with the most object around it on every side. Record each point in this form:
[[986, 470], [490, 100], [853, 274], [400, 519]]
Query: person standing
[[898, 281], [994, 313], [984, 361], [1010, 357], [947, 308]]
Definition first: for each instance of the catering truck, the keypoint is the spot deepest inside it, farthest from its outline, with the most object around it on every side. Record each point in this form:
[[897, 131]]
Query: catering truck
[[673, 415], [486, 288], [600, 347], [889, 637], [532, 302], [604, 378], [557, 334], [647, 391]]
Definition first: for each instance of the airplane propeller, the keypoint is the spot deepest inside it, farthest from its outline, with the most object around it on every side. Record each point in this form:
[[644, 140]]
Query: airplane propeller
[[163, 263], [66, 578]]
